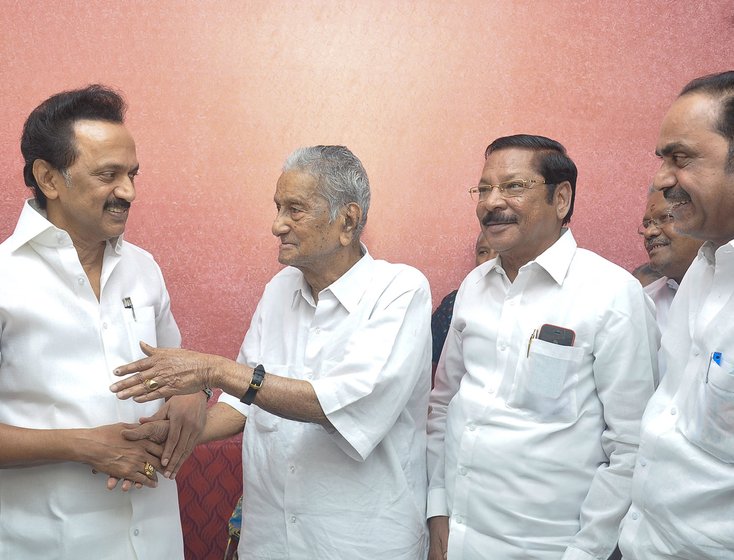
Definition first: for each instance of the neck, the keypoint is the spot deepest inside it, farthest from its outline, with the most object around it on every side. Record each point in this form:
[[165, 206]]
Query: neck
[[320, 278], [91, 258]]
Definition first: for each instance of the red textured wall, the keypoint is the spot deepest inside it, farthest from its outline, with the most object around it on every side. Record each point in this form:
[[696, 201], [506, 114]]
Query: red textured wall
[[221, 92]]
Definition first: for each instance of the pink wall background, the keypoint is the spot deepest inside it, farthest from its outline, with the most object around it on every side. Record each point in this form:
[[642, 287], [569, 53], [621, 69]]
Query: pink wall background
[[221, 92]]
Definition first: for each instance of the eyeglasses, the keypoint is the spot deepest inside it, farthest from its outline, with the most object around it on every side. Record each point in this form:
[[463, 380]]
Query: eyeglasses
[[508, 189], [659, 222]]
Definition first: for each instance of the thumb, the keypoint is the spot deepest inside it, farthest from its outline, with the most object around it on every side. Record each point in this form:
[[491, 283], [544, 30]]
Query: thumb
[[146, 348]]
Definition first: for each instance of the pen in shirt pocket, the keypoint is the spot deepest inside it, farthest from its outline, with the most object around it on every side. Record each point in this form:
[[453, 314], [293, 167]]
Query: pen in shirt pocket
[[715, 358], [533, 336], [127, 303]]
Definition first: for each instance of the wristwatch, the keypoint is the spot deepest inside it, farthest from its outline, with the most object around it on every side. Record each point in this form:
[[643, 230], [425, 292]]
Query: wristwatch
[[258, 376]]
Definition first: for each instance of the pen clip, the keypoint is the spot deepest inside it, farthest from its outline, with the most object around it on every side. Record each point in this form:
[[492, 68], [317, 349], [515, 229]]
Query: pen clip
[[127, 303], [533, 336]]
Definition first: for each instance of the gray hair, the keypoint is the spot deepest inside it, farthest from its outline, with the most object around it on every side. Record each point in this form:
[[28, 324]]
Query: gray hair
[[340, 176]]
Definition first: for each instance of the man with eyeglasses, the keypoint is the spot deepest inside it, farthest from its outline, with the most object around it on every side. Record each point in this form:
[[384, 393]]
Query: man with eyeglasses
[[670, 253], [550, 358], [683, 485]]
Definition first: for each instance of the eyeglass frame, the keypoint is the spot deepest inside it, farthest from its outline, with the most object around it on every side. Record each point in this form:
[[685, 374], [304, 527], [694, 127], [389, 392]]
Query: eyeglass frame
[[659, 223], [527, 184]]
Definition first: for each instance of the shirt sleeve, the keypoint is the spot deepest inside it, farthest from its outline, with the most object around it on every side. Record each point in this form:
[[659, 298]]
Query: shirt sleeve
[[448, 377], [625, 366], [384, 361]]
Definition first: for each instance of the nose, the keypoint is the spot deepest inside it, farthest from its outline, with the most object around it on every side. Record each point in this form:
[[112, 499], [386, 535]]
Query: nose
[[279, 227], [653, 230], [492, 201], [125, 189], [665, 177]]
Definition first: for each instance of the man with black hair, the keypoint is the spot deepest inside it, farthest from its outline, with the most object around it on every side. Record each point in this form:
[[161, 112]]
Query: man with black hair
[[75, 300], [683, 485], [547, 366]]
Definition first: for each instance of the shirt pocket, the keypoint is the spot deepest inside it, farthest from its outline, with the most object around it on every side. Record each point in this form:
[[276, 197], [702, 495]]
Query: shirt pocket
[[545, 383], [140, 325], [708, 413]]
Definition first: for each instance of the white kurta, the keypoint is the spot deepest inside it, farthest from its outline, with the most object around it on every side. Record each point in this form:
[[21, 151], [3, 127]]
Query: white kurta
[[683, 486], [359, 492], [58, 347], [532, 444]]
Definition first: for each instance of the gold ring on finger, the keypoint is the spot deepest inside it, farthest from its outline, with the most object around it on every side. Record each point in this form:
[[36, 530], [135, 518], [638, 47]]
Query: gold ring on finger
[[151, 384], [149, 470]]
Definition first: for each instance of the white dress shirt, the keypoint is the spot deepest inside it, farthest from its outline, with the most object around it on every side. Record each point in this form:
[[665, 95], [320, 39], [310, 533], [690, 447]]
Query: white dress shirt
[[532, 444], [359, 492], [683, 486], [58, 347], [662, 291]]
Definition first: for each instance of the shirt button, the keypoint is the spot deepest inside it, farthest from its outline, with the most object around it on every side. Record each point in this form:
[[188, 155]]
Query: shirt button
[[635, 515], [136, 532], [472, 427], [643, 462], [491, 390], [81, 280], [293, 518], [459, 519], [674, 411], [104, 325], [503, 347], [60, 238], [318, 330], [292, 469], [462, 471]]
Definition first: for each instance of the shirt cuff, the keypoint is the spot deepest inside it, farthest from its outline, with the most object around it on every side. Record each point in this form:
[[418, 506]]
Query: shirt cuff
[[437, 504], [235, 403]]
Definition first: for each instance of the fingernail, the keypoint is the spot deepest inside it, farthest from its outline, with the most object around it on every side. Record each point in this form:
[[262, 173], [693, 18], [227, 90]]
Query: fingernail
[[167, 474], [113, 387], [164, 462]]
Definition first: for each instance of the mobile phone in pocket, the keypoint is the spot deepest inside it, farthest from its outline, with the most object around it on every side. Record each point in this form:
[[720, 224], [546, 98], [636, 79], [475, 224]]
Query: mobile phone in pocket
[[557, 335]]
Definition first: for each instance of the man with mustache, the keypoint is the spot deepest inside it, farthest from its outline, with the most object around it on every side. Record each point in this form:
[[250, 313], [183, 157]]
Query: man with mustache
[[547, 366], [75, 299], [683, 485], [670, 253]]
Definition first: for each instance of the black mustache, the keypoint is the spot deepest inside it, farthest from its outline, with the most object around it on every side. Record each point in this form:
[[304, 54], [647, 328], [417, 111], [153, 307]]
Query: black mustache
[[498, 218], [117, 203], [676, 195]]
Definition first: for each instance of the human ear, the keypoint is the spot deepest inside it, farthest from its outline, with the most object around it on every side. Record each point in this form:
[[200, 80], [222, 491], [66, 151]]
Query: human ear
[[351, 216], [562, 199], [46, 177]]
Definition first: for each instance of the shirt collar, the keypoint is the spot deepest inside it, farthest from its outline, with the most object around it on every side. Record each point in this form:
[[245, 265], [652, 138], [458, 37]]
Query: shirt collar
[[709, 251], [33, 225], [348, 288], [555, 260]]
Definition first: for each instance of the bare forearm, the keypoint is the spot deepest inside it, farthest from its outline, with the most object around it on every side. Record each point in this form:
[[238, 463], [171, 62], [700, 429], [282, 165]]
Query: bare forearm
[[222, 421], [25, 447], [288, 398]]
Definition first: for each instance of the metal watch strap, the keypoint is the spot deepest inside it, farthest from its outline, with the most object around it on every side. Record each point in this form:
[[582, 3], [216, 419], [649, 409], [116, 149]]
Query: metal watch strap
[[258, 376]]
